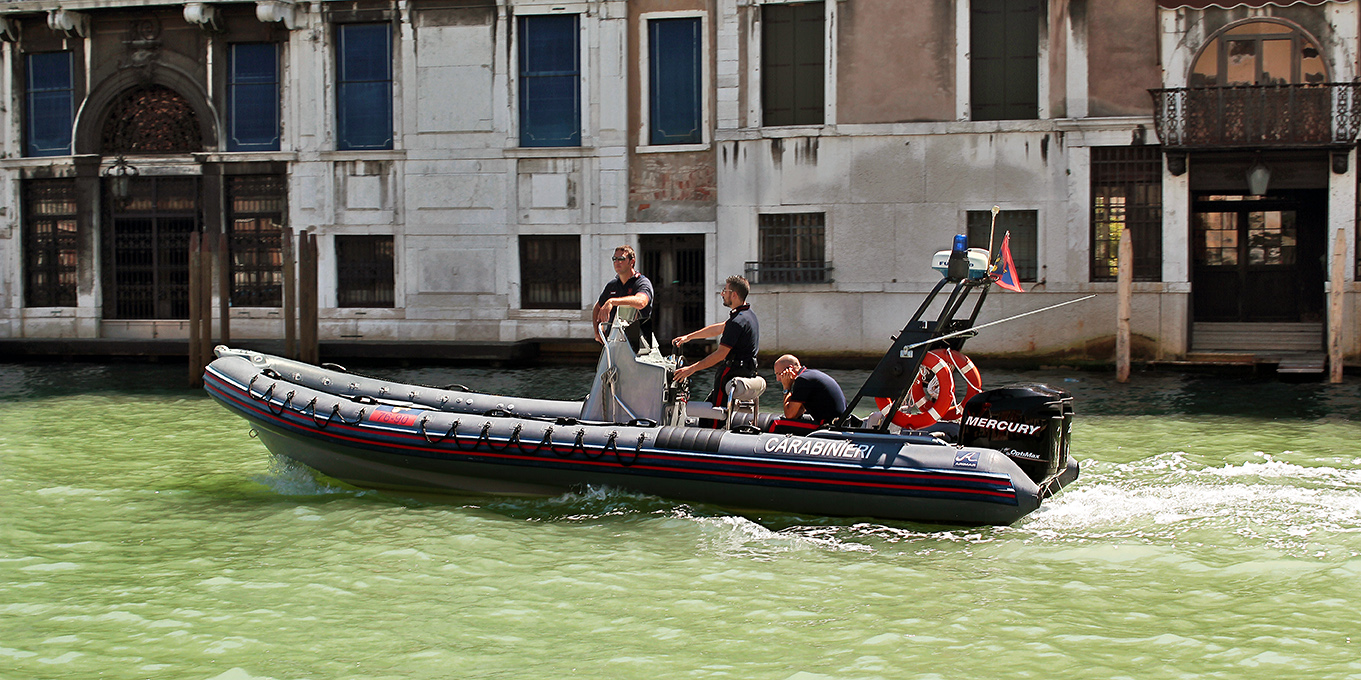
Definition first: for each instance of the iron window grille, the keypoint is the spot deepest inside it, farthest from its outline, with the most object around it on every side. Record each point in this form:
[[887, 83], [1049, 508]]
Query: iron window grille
[[550, 272], [256, 209], [792, 249], [1126, 193], [145, 268], [150, 120], [1023, 225], [50, 231], [364, 271]]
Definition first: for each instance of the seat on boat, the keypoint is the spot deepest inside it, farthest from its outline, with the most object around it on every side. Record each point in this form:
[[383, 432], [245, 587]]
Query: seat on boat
[[744, 399]]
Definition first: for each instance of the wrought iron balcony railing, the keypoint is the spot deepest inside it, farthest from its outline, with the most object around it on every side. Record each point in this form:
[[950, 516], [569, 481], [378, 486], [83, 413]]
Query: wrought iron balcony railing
[[795, 271], [1240, 116]]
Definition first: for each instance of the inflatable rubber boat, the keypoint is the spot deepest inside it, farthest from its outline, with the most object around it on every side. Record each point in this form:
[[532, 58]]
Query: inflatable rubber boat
[[636, 430]]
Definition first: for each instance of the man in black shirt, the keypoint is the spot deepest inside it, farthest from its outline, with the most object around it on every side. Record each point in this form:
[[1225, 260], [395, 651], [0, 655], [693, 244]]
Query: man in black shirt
[[739, 339], [808, 394], [627, 289]]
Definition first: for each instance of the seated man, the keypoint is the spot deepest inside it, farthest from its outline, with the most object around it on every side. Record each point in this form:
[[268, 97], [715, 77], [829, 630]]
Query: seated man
[[811, 398]]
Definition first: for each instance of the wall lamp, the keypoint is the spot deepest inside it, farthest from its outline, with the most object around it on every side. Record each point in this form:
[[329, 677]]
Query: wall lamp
[[1259, 176], [120, 176]]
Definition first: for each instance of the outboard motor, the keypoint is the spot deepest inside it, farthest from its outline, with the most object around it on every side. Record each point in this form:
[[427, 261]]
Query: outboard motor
[[1030, 423]]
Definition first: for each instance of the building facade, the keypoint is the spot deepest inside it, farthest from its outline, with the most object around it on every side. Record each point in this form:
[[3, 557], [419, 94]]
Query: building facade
[[468, 167]]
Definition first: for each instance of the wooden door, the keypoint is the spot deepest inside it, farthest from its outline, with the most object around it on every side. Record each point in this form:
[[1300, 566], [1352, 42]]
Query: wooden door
[[1256, 258]]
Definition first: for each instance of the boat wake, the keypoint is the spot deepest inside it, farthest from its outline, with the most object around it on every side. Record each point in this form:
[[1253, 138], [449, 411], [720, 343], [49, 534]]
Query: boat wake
[[1279, 504]]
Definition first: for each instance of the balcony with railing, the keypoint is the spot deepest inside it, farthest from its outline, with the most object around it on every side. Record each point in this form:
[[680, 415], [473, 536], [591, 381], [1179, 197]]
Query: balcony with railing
[[1258, 116], [791, 271]]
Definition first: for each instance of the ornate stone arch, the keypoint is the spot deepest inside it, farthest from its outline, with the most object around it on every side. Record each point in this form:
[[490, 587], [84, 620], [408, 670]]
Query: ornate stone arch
[[133, 114]]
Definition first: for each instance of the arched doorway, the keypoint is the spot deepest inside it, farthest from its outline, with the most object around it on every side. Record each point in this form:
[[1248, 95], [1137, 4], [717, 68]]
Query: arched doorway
[[148, 218]]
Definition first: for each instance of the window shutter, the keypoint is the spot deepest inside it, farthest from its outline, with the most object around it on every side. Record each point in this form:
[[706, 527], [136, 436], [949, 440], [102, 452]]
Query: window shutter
[[254, 92], [550, 80], [49, 104], [675, 80], [364, 87]]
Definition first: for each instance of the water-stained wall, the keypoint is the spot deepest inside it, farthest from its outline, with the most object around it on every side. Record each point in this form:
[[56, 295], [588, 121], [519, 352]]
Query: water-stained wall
[[1122, 48], [896, 62]]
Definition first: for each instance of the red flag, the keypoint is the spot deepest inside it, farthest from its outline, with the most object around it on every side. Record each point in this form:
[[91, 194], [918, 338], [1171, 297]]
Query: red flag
[[1006, 275]]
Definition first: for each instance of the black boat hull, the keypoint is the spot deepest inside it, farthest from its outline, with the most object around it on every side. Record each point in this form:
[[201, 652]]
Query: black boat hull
[[414, 448]]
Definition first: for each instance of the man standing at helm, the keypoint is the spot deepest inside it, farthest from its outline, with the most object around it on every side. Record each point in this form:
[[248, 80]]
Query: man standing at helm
[[739, 339], [627, 289]]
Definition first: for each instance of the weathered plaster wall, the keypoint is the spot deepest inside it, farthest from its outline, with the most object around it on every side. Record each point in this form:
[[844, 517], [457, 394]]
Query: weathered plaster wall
[[896, 62], [1122, 47], [666, 185]]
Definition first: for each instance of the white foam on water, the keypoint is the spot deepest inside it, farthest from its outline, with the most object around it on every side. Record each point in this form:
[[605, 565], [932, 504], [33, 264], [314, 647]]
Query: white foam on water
[[1165, 495], [287, 477]]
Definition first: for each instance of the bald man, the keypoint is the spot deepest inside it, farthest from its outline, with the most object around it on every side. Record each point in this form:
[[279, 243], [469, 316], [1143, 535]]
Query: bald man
[[808, 393]]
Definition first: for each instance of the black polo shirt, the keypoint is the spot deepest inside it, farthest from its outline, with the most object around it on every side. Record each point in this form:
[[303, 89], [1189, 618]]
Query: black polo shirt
[[821, 397], [741, 335], [617, 289]]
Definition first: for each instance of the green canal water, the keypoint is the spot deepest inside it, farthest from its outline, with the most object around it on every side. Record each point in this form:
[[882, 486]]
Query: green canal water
[[1215, 532]]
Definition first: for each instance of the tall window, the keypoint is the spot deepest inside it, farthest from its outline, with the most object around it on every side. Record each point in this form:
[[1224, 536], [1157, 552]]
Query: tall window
[[253, 97], [1004, 59], [49, 106], [1127, 193], [364, 86], [550, 80], [550, 272], [792, 64], [364, 271], [675, 81], [792, 249], [255, 206], [1023, 226], [49, 242]]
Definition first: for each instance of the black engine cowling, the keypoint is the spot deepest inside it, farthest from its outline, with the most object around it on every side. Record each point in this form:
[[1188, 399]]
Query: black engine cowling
[[1030, 423]]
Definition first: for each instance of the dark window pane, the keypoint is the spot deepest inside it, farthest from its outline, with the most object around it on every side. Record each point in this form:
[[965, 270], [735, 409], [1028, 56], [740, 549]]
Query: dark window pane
[[675, 80], [253, 93], [364, 86], [364, 271], [1126, 193], [550, 272], [1023, 226], [50, 101], [1004, 59], [792, 64], [550, 81], [50, 230]]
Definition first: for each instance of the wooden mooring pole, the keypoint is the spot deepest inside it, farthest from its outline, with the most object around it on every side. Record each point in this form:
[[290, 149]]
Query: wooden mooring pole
[[205, 291], [1335, 289], [224, 288], [290, 301], [195, 280], [1124, 290], [307, 299]]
